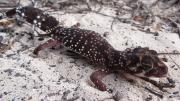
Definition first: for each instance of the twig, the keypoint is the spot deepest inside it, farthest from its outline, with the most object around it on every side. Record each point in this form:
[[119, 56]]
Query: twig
[[173, 24], [88, 5], [154, 92], [173, 60], [100, 8], [166, 53], [114, 17], [112, 24], [7, 6], [154, 3], [10, 4], [117, 14], [160, 85], [148, 31]]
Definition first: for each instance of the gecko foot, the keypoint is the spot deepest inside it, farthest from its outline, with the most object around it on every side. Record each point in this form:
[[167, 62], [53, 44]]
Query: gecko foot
[[97, 76]]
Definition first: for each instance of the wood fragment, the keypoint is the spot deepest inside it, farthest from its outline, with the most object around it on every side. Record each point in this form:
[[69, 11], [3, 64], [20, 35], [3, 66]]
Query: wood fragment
[[1, 39], [149, 32], [166, 53], [154, 92], [159, 85], [170, 80], [4, 47]]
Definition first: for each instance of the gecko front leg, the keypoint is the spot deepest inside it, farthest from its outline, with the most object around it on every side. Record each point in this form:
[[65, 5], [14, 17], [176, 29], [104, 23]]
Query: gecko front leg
[[97, 76], [49, 43]]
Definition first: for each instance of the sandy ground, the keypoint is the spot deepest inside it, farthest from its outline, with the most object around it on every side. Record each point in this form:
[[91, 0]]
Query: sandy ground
[[54, 75]]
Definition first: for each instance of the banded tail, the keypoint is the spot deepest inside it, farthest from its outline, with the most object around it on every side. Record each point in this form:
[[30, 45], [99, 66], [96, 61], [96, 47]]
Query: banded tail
[[34, 16]]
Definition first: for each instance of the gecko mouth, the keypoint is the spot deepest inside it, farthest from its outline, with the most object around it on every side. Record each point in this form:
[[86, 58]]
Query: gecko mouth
[[158, 70]]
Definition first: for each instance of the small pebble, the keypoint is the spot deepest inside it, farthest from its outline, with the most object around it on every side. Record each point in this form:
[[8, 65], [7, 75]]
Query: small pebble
[[149, 98], [177, 92], [170, 80], [52, 65], [172, 66], [1, 38], [22, 34], [106, 34], [110, 91], [165, 59], [40, 39], [156, 34]]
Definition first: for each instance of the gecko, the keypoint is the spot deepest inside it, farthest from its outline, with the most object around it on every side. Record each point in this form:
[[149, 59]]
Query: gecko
[[92, 46]]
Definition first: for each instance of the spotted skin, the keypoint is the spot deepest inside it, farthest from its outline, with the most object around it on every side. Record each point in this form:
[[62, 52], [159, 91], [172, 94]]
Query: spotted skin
[[92, 46], [86, 43]]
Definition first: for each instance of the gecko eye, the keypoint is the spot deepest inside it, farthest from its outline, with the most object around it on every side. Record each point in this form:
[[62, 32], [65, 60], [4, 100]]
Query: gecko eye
[[147, 63], [146, 67]]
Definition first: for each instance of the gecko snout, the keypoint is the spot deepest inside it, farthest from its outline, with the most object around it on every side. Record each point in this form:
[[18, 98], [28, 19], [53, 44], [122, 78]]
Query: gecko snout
[[159, 70]]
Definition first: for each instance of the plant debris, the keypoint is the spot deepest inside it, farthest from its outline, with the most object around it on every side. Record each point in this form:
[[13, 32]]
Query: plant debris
[[154, 92], [159, 85], [4, 47]]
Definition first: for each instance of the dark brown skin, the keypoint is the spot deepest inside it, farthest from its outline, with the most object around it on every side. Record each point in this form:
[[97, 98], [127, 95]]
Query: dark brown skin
[[93, 47]]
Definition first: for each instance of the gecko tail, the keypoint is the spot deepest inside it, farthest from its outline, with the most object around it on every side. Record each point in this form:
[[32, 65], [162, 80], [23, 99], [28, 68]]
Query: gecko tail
[[9, 13], [33, 16]]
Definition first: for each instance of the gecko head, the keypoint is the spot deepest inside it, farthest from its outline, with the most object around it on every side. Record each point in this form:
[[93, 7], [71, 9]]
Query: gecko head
[[148, 62]]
